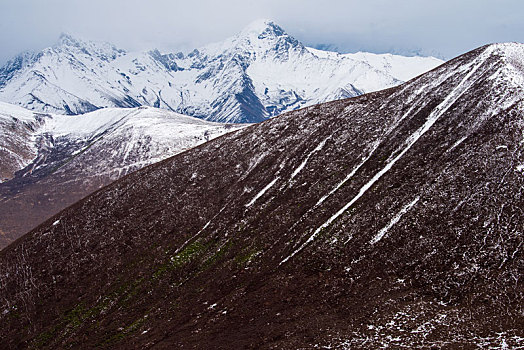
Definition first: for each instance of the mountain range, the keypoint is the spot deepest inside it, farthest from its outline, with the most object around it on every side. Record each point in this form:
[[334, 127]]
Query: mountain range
[[387, 220], [48, 160], [250, 77]]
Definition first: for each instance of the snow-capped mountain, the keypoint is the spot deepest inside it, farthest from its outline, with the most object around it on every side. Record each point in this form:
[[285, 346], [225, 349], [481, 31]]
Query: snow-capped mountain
[[116, 141], [256, 74], [59, 159], [392, 220]]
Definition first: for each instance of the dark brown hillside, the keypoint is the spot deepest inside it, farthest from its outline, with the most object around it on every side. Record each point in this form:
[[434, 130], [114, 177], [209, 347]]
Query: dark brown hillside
[[393, 219]]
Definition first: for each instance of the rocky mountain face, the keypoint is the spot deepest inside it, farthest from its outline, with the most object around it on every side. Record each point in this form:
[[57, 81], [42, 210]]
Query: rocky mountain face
[[51, 161], [17, 144], [389, 220], [259, 73]]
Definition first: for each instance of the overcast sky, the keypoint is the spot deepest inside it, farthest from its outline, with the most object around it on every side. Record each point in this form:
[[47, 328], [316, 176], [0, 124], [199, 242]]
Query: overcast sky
[[444, 28]]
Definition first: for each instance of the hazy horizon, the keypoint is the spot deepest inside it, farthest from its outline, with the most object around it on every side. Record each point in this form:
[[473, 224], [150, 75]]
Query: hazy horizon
[[444, 29]]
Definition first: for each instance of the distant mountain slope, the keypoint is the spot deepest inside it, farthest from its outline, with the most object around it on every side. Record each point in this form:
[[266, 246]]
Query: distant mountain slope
[[17, 144], [64, 158], [260, 72], [389, 220]]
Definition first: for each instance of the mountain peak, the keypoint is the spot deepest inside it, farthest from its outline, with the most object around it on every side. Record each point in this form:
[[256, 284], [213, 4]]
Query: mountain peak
[[262, 37], [514, 49], [265, 35], [66, 39], [103, 50], [263, 27]]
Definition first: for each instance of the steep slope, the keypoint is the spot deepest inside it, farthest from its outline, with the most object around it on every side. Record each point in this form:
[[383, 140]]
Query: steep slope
[[74, 155], [260, 72], [393, 219], [17, 144]]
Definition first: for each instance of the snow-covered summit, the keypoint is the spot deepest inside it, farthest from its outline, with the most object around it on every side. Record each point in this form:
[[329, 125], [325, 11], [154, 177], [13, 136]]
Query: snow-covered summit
[[68, 43], [66, 39], [258, 73], [512, 54], [259, 38], [265, 31], [260, 26]]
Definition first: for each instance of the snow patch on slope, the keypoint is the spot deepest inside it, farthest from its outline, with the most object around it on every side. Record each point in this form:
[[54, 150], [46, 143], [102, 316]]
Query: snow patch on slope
[[18, 143], [303, 164]]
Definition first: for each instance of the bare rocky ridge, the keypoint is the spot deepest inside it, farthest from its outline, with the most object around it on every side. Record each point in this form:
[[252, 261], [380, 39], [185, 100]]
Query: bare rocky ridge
[[393, 219]]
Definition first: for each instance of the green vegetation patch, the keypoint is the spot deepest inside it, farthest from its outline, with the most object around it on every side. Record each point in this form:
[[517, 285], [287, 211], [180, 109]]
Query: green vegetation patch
[[219, 254], [180, 259], [76, 317], [246, 257], [122, 334]]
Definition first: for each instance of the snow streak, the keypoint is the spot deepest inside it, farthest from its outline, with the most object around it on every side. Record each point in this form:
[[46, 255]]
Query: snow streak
[[301, 166], [348, 177], [261, 193], [393, 221]]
